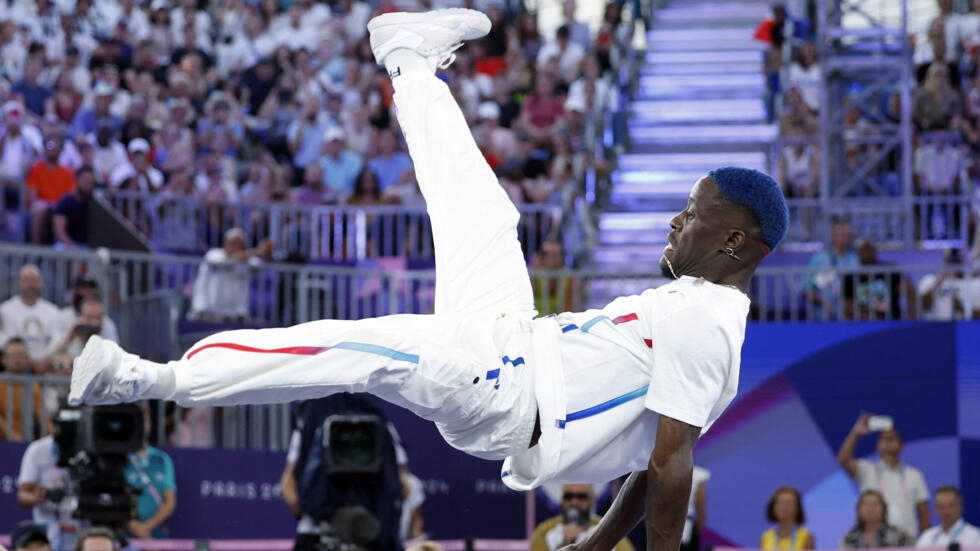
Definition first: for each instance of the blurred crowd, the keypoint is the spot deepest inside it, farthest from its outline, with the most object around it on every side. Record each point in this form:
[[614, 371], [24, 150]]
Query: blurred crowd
[[945, 110], [245, 102]]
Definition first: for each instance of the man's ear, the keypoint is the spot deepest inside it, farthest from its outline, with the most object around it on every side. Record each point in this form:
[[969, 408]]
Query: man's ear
[[736, 239]]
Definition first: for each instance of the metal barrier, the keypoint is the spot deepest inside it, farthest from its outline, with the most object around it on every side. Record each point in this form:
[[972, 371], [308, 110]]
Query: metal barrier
[[146, 294], [880, 210], [312, 233]]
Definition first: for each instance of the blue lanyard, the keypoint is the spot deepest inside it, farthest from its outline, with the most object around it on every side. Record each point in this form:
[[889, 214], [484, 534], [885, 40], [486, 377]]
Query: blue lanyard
[[777, 539], [955, 534]]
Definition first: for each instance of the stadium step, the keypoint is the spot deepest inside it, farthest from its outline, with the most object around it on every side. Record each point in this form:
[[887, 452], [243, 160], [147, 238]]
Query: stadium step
[[699, 105]]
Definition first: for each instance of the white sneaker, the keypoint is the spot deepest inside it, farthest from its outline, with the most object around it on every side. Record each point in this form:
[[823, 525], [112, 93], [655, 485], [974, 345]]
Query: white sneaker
[[105, 374], [434, 35]]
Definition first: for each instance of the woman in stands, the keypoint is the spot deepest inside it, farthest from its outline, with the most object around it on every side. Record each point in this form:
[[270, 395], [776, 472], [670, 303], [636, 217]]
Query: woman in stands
[[785, 509], [872, 529]]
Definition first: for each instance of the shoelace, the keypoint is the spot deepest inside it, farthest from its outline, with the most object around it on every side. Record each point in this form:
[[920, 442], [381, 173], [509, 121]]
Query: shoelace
[[449, 57]]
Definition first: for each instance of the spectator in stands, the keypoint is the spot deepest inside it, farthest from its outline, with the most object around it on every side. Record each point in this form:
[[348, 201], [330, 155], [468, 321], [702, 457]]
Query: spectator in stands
[[575, 523], [66, 100], [877, 295], [221, 288], [939, 166], [28, 316], [542, 108], [307, 132], [823, 289], [555, 292], [47, 183], [15, 361], [138, 172], [151, 471], [806, 76], [799, 164], [951, 528], [71, 213], [953, 294], [84, 288], [69, 345], [87, 120], [20, 145], [96, 539], [568, 53], [578, 30], [313, 191], [797, 114], [785, 510], [28, 536], [937, 105], [40, 474], [872, 530], [340, 166], [903, 486], [390, 163], [697, 510], [367, 190], [33, 93]]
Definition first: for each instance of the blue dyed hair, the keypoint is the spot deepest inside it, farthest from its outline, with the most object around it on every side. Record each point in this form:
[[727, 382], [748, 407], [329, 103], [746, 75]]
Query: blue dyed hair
[[760, 194]]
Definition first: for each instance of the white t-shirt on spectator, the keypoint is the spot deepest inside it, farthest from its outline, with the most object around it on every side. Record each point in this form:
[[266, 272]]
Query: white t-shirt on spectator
[[38, 325], [19, 153], [808, 83], [202, 27], [247, 51], [967, 291], [39, 465], [13, 56], [355, 22], [109, 158], [152, 180], [605, 95], [937, 168], [903, 487], [294, 39], [568, 61], [221, 287], [967, 535]]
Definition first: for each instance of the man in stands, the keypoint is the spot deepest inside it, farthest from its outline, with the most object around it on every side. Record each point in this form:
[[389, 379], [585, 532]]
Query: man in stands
[[28, 316], [576, 522]]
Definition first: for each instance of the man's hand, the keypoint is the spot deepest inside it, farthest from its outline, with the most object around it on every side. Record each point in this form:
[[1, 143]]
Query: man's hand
[[861, 425], [139, 529]]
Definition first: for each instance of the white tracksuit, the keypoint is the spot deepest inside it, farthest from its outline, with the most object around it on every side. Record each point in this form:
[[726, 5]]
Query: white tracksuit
[[481, 367]]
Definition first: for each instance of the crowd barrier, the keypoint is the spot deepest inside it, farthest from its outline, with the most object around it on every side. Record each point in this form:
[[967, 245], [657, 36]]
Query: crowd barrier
[[312, 233]]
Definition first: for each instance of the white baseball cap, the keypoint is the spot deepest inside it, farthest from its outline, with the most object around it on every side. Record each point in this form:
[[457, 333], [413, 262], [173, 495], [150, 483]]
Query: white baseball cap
[[139, 145], [333, 133], [488, 110]]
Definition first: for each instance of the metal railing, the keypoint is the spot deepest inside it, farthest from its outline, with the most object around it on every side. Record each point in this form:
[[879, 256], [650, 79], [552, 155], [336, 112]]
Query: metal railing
[[338, 233], [147, 301]]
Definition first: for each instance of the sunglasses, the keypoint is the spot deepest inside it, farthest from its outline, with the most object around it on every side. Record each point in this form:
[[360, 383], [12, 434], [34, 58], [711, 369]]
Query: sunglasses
[[567, 496]]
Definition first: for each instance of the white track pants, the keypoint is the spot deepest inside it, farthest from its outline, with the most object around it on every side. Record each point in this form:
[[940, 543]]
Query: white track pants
[[445, 367]]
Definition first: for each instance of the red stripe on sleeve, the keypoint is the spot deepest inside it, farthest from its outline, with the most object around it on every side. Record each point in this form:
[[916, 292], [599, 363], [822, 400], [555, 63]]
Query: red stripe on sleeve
[[625, 318], [648, 342], [296, 350]]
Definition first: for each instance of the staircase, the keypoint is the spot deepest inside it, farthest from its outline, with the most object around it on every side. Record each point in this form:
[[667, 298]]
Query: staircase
[[699, 105]]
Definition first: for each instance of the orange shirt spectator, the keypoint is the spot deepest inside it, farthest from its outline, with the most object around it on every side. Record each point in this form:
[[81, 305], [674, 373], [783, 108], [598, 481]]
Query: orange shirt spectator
[[17, 362], [47, 179]]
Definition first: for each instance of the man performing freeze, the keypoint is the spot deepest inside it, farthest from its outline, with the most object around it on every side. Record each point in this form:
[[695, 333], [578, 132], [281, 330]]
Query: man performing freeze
[[578, 397]]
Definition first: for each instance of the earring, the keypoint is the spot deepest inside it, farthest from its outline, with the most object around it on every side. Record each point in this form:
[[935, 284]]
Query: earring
[[731, 253]]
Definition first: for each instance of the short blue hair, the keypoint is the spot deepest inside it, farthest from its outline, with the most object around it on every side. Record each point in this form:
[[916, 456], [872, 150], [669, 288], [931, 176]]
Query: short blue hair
[[760, 194]]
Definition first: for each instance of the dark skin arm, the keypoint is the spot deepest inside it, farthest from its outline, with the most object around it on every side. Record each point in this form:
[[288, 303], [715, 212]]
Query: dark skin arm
[[662, 492]]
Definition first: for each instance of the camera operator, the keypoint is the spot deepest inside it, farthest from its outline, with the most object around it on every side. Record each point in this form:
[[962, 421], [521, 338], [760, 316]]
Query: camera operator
[[63, 351], [40, 489], [314, 496], [575, 523], [151, 471]]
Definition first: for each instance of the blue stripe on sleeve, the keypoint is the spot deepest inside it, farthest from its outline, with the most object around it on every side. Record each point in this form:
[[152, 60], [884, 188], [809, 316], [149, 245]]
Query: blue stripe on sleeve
[[379, 350], [588, 325]]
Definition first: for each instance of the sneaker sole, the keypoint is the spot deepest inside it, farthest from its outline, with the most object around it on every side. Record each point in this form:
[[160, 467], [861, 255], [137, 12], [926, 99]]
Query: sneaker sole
[[85, 371], [478, 23]]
